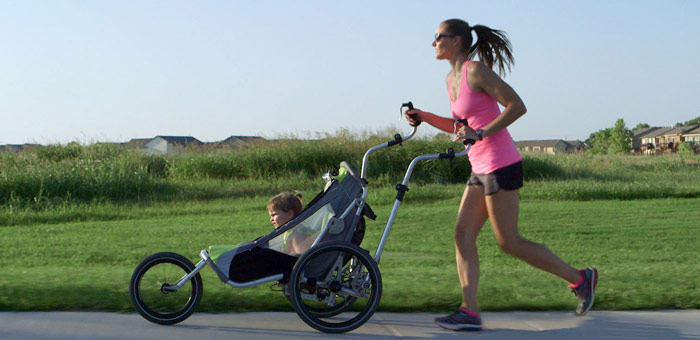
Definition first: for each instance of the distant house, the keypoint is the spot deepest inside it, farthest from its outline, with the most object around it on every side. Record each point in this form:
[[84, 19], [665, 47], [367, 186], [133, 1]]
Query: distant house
[[237, 142], [669, 140], [137, 143], [666, 140], [638, 135], [18, 147], [576, 146], [680, 133], [651, 142], [692, 138], [171, 144], [12, 147], [232, 143], [550, 146]]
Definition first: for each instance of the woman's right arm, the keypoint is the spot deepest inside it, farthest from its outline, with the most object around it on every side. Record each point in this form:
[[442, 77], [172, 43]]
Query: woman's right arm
[[442, 123]]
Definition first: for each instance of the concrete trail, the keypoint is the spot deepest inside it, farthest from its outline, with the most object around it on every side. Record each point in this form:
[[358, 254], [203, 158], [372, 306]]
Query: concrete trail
[[676, 324]]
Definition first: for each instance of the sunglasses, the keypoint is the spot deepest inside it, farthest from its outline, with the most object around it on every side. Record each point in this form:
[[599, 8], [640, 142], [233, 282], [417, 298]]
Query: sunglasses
[[438, 36]]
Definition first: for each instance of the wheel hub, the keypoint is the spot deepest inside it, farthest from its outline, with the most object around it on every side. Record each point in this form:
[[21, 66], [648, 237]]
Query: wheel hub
[[165, 288]]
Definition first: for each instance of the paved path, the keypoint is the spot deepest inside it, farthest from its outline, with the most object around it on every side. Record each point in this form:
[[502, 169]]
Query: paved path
[[680, 324]]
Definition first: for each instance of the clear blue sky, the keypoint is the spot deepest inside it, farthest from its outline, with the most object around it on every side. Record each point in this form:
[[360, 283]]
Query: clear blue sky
[[114, 70]]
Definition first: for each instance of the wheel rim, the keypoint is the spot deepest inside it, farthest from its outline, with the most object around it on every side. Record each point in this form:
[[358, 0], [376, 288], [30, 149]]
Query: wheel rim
[[154, 300]]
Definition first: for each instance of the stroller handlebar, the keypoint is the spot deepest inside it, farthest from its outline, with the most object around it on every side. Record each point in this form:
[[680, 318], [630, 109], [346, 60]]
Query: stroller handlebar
[[402, 188], [398, 139]]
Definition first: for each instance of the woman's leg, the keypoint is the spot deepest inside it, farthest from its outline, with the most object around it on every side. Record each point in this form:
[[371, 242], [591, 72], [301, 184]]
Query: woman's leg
[[503, 208], [471, 217]]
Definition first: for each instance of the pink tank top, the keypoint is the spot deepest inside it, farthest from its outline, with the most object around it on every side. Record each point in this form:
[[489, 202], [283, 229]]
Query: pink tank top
[[479, 109]]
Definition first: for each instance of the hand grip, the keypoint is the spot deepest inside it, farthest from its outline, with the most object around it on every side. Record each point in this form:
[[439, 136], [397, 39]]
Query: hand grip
[[467, 141], [409, 106]]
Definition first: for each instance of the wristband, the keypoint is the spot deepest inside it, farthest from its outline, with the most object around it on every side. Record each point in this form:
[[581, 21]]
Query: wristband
[[480, 133]]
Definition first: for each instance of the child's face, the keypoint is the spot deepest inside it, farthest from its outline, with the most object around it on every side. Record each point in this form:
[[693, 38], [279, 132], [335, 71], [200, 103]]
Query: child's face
[[279, 217]]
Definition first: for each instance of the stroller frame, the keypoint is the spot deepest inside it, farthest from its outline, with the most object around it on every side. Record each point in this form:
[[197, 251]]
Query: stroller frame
[[192, 271]]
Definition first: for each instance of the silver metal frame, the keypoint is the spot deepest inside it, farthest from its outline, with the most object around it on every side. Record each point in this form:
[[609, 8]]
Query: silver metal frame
[[365, 164], [363, 173], [186, 278], [397, 202]]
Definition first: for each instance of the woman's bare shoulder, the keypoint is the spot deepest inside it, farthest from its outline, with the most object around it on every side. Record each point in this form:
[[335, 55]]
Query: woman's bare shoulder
[[478, 68], [478, 74]]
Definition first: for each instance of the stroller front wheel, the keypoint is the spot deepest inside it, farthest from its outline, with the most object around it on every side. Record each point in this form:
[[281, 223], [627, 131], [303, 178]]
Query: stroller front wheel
[[335, 287], [152, 293]]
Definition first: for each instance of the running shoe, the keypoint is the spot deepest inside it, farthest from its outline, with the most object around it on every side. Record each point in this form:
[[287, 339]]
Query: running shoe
[[585, 290], [460, 321]]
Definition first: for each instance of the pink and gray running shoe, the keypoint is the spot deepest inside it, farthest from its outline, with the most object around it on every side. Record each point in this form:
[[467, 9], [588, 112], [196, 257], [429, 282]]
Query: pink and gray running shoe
[[585, 290], [460, 321]]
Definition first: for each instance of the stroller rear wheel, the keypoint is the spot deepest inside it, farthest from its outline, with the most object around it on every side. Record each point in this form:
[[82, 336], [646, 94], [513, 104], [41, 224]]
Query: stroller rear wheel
[[151, 292], [335, 310], [328, 311], [335, 287]]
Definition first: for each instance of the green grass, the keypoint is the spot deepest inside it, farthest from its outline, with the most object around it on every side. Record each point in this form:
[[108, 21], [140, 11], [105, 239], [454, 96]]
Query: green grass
[[76, 220], [646, 252]]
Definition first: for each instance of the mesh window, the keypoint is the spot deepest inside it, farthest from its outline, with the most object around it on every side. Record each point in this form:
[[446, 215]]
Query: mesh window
[[300, 238]]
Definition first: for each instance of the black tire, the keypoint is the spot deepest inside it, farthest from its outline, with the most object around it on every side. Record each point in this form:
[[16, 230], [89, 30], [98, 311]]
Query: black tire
[[317, 270], [157, 305]]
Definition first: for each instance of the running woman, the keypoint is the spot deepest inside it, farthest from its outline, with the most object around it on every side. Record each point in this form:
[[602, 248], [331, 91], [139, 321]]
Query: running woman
[[475, 91]]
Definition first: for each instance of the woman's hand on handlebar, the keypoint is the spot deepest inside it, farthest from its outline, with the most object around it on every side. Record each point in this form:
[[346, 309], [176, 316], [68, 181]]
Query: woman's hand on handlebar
[[414, 116], [464, 132]]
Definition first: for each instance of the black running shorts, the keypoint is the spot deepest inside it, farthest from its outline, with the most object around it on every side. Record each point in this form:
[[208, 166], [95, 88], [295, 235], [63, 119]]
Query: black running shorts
[[506, 178]]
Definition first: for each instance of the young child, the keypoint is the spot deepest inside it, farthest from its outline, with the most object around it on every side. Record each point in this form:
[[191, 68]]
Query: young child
[[282, 208]]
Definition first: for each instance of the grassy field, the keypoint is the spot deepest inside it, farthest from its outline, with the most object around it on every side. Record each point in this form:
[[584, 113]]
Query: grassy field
[[76, 220], [646, 251]]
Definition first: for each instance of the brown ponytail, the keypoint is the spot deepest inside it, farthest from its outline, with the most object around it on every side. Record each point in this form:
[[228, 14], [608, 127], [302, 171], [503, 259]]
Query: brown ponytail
[[492, 46]]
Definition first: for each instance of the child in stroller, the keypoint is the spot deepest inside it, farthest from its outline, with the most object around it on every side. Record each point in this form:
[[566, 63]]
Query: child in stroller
[[296, 230], [282, 208]]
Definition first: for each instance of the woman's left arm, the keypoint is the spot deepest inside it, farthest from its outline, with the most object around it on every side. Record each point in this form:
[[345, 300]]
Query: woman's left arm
[[481, 78]]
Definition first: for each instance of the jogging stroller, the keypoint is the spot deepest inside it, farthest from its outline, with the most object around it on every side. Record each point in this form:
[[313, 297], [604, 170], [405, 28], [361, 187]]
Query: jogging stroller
[[333, 284]]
